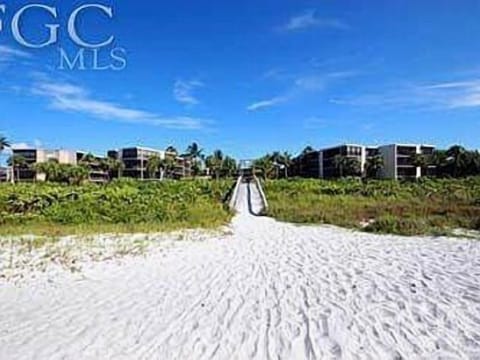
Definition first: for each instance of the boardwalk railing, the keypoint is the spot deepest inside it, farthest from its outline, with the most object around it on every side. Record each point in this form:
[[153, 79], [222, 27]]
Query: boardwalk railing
[[233, 199], [258, 184]]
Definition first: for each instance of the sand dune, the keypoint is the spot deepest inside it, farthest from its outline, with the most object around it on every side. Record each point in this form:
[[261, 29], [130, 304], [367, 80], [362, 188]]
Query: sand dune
[[268, 291]]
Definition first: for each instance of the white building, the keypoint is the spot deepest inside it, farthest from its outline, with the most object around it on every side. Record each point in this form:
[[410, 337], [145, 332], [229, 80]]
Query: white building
[[398, 160]]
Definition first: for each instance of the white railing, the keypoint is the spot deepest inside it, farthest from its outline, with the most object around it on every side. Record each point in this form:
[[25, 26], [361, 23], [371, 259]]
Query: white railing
[[233, 200], [262, 193]]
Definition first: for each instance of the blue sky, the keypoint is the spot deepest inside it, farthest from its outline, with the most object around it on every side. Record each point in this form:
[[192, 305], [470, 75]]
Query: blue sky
[[249, 77]]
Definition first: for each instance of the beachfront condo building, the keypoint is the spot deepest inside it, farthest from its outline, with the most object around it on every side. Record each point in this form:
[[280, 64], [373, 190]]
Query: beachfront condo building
[[322, 163], [135, 160], [398, 161], [26, 172]]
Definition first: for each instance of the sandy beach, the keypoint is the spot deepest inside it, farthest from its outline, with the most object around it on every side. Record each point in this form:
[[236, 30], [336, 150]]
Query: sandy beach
[[264, 290]]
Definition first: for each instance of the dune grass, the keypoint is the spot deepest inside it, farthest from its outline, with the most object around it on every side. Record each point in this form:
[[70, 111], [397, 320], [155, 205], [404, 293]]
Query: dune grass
[[410, 208], [120, 207]]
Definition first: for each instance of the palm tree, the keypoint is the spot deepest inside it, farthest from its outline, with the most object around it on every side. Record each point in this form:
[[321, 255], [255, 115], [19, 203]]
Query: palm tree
[[4, 143], [440, 161], [167, 166], [115, 166], [75, 175], [153, 165], [215, 162], [421, 161], [457, 159], [88, 160], [229, 166], [51, 169], [340, 162], [276, 158], [265, 165], [353, 167], [17, 162], [171, 150], [374, 165], [195, 152]]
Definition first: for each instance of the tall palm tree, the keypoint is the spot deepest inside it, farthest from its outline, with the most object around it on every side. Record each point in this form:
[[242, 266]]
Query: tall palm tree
[[115, 166], [17, 162], [4, 143], [353, 167], [373, 166], [440, 161], [51, 169], [215, 162], [229, 166], [421, 161], [76, 175], [195, 152], [340, 162], [265, 165], [153, 165], [276, 158], [171, 150], [88, 160], [457, 159], [167, 166]]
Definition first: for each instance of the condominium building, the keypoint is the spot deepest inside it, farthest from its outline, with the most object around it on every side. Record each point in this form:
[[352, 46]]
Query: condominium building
[[307, 165], [25, 172], [398, 161], [135, 160], [328, 166], [322, 163], [97, 171]]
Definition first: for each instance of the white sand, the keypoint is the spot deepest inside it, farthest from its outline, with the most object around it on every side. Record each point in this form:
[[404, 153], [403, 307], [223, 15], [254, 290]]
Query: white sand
[[269, 291]]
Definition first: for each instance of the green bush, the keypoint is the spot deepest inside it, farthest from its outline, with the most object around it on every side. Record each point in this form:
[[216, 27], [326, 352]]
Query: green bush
[[169, 203], [428, 206]]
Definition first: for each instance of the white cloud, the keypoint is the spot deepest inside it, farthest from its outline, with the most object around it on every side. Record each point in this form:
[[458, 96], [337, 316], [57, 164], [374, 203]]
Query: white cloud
[[68, 97], [313, 82], [309, 19], [435, 96], [183, 91], [461, 94], [8, 53], [301, 85], [315, 123], [260, 105]]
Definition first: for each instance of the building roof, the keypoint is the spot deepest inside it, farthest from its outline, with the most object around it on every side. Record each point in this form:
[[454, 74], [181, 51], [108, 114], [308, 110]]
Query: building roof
[[411, 145], [340, 145]]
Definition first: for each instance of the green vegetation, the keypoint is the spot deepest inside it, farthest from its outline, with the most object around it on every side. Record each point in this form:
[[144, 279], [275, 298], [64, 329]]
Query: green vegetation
[[410, 208], [274, 165], [122, 206]]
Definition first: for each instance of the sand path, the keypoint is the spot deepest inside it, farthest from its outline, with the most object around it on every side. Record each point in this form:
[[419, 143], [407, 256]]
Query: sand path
[[269, 291]]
